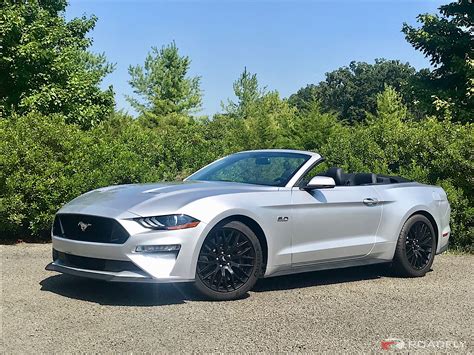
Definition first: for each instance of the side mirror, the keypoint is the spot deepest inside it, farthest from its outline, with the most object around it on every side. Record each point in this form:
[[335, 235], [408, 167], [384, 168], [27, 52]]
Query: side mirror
[[320, 182]]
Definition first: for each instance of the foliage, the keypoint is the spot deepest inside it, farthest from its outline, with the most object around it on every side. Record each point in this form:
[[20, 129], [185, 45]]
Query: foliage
[[448, 41], [163, 85], [45, 65], [44, 162], [365, 117], [351, 91], [248, 93], [262, 119]]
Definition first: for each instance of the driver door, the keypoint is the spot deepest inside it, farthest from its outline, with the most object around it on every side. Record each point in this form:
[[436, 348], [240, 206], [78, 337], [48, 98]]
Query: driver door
[[331, 224]]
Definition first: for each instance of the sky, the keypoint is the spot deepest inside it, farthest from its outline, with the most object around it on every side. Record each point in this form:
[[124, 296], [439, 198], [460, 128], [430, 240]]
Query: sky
[[288, 44]]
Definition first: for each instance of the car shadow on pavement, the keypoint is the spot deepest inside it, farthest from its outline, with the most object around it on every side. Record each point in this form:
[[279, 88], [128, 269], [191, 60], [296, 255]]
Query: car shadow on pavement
[[321, 278], [117, 293], [136, 294]]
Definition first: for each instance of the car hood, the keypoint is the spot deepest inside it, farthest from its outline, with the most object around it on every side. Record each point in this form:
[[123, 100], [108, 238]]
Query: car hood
[[127, 201]]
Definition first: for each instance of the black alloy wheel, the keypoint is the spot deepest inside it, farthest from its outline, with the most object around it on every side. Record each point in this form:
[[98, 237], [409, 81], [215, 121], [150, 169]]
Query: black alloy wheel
[[416, 247], [419, 245], [229, 262]]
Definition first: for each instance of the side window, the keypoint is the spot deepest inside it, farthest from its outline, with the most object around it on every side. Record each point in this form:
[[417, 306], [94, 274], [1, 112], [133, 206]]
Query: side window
[[315, 170]]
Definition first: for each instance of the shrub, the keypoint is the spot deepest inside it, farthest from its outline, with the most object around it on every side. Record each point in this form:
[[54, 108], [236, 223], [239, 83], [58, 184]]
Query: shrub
[[45, 162]]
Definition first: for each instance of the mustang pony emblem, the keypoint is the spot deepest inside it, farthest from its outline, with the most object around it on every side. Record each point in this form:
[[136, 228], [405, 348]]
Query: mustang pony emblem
[[83, 226]]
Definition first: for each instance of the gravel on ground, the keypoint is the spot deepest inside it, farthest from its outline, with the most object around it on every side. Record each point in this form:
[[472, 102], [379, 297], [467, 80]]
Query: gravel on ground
[[346, 310]]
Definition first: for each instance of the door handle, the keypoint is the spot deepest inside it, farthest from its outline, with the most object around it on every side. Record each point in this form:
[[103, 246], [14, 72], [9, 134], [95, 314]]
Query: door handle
[[370, 201]]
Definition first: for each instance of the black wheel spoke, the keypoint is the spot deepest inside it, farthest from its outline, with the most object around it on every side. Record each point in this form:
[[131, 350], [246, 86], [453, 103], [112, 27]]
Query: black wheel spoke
[[247, 257], [245, 265], [210, 255], [239, 246], [224, 277], [226, 260], [207, 262], [238, 277], [231, 278], [232, 239], [211, 273], [207, 267], [241, 252], [211, 243], [242, 272], [214, 274], [426, 241]]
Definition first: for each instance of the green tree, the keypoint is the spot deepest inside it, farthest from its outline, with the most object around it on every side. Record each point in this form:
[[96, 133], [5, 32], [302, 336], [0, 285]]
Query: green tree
[[248, 93], [447, 40], [45, 64], [163, 86], [271, 123], [351, 91], [313, 127], [261, 119]]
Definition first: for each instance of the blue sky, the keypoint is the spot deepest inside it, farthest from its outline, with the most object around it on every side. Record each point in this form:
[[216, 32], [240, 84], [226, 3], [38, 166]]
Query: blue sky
[[289, 44]]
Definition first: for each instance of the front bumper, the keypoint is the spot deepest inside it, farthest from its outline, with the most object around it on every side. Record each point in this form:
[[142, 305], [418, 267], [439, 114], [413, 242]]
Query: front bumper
[[121, 276], [151, 267]]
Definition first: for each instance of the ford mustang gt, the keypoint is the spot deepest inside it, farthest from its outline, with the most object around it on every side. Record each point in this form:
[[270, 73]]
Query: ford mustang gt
[[249, 215]]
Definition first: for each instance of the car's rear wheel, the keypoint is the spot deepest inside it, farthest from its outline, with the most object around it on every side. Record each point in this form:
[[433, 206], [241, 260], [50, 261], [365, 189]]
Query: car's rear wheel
[[229, 262], [416, 247]]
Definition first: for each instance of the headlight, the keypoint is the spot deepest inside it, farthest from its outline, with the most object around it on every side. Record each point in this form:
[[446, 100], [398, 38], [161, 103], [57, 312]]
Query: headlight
[[169, 222]]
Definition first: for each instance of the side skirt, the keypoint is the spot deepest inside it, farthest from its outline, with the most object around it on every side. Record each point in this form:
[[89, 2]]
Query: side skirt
[[295, 269]]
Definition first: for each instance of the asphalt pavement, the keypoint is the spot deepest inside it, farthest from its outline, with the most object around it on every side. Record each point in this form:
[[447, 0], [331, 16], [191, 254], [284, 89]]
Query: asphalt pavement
[[351, 310]]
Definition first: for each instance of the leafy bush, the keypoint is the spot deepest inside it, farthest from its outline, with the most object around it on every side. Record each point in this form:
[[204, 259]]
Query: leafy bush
[[59, 136], [45, 162]]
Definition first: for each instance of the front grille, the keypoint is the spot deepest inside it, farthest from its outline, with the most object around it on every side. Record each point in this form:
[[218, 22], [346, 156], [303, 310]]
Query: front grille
[[87, 263], [88, 228]]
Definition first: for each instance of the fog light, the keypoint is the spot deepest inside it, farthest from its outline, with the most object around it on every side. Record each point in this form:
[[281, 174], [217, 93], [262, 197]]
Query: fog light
[[157, 248]]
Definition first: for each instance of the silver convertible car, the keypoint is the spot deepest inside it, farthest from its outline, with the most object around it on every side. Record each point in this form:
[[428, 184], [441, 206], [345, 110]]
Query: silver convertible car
[[249, 215]]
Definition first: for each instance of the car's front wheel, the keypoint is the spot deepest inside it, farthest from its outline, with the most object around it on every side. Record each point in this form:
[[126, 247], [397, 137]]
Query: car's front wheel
[[229, 262], [416, 247]]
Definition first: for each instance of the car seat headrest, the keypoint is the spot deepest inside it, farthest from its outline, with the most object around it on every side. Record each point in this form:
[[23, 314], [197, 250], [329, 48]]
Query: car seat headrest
[[336, 174]]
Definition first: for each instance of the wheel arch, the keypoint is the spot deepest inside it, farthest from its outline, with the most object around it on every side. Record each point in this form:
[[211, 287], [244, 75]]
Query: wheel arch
[[430, 218]]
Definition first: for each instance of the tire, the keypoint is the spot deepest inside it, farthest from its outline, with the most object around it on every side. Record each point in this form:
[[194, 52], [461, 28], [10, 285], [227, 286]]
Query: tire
[[229, 263], [416, 247]]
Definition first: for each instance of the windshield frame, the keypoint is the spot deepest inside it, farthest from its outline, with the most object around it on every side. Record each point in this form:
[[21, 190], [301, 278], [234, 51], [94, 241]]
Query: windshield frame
[[250, 154]]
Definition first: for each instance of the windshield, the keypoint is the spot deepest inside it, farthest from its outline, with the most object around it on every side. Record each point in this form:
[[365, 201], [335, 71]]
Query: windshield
[[260, 168]]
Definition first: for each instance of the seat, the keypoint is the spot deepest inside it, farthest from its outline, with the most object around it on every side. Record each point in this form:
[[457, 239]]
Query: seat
[[342, 179], [336, 174], [365, 178], [348, 179]]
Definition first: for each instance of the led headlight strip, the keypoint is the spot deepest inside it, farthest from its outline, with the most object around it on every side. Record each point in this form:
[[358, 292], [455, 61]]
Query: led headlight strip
[[168, 222]]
